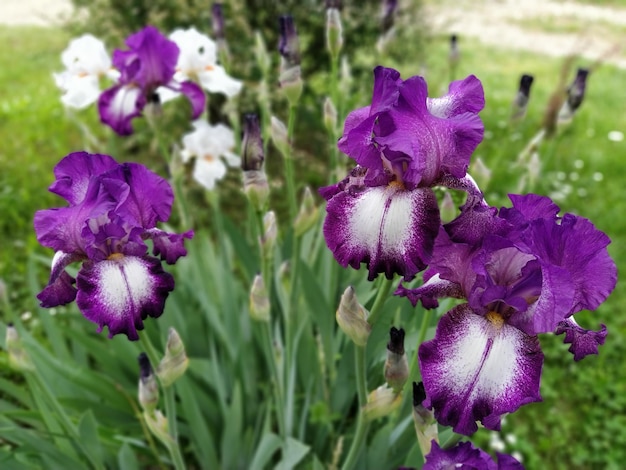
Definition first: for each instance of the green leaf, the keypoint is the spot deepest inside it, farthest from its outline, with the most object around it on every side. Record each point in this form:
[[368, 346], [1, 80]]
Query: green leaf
[[88, 431], [293, 452], [126, 459], [268, 446]]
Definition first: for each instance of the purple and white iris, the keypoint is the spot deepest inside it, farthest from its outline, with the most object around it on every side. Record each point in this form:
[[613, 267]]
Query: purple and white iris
[[149, 63], [465, 455], [385, 213], [113, 209], [522, 271]]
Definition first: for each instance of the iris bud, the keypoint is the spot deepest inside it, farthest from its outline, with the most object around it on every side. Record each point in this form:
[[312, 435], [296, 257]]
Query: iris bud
[[352, 318], [308, 214], [259, 300], [396, 368], [148, 389], [423, 420], [381, 402], [175, 362], [18, 357]]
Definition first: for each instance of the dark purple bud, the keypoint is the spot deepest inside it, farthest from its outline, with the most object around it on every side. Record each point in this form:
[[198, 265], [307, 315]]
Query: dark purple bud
[[252, 145], [217, 20], [396, 340], [389, 10], [333, 4], [576, 91], [454, 48], [419, 393], [288, 45], [524, 85], [145, 369]]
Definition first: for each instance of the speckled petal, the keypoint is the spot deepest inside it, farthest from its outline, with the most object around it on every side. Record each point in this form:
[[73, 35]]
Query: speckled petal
[[121, 292], [388, 228], [478, 368], [583, 342]]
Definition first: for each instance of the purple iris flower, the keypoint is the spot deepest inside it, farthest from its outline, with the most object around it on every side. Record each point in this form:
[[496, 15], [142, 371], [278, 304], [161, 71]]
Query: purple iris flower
[[149, 64], [465, 456], [113, 209], [523, 271], [385, 212]]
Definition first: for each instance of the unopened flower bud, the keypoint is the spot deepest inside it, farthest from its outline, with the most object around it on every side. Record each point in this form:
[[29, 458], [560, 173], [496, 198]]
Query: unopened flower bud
[[270, 233], [278, 131], [388, 13], [308, 214], [290, 79], [259, 300], [520, 103], [158, 426], [252, 144], [217, 21], [352, 318], [262, 56], [18, 357], [330, 116], [575, 96], [423, 420], [289, 45], [396, 366], [254, 179], [334, 32], [381, 402], [454, 55], [148, 389], [175, 361]]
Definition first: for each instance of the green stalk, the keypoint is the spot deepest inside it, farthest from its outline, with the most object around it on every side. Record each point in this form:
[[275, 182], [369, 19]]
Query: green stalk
[[170, 405], [361, 426], [381, 297], [289, 172], [278, 395]]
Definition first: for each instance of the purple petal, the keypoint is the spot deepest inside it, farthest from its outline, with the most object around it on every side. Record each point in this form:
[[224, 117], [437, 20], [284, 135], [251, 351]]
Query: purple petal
[[434, 145], [477, 369], [508, 462], [428, 293], [464, 456], [353, 183], [387, 83], [194, 94], [169, 246], [583, 342], [119, 105], [388, 228], [358, 144], [157, 57], [109, 235], [464, 96], [123, 291], [60, 289], [74, 172], [150, 198], [577, 246]]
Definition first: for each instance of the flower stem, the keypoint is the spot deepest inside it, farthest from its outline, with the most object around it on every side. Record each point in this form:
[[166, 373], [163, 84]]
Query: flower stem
[[170, 405], [381, 297], [289, 172], [170, 413], [278, 394], [361, 426]]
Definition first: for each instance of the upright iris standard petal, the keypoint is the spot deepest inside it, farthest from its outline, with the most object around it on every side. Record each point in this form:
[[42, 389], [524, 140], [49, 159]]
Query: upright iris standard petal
[[478, 368], [74, 172], [390, 229], [123, 291]]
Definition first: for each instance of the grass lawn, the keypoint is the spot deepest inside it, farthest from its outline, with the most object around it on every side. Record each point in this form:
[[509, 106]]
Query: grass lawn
[[582, 421]]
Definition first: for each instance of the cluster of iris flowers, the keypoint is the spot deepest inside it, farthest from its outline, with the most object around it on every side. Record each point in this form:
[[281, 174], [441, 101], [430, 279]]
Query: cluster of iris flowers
[[520, 271]]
